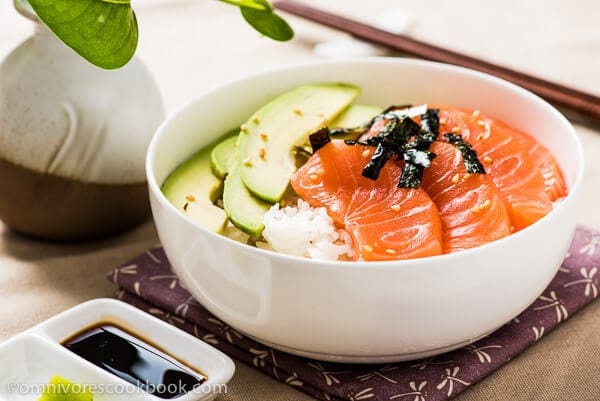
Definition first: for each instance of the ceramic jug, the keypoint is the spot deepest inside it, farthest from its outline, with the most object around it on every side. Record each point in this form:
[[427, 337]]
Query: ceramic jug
[[73, 138]]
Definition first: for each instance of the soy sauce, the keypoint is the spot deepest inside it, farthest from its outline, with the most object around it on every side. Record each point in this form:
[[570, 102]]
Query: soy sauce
[[134, 361]]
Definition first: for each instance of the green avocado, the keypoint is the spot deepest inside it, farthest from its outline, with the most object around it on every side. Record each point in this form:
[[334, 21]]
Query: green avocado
[[265, 148], [192, 188], [355, 116], [243, 209], [222, 157]]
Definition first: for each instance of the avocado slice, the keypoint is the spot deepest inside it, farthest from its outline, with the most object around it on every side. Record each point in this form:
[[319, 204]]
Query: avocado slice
[[355, 116], [244, 210], [222, 156], [265, 146], [192, 189]]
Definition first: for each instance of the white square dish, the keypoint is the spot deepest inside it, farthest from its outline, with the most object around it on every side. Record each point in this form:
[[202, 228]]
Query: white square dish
[[33, 357]]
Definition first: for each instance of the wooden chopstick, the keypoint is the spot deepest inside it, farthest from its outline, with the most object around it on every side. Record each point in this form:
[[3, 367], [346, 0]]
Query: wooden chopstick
[[571, 99]]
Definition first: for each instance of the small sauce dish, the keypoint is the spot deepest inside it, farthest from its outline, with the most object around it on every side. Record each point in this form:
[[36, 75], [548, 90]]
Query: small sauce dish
[[118, 351]]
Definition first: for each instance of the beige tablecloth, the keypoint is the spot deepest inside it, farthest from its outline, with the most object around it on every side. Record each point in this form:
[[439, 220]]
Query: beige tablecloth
[[192, 44]]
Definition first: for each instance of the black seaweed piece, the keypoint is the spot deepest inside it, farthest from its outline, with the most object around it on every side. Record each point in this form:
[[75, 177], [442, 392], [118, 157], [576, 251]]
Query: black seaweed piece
[[411, 176], [430, 125], [469, 155], [386, 148], [319, 139], [417, 156], [381, 155], [408, 129]]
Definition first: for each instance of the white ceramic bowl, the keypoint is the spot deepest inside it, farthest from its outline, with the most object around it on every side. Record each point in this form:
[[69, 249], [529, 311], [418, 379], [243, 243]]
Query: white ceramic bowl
[[375, 311]]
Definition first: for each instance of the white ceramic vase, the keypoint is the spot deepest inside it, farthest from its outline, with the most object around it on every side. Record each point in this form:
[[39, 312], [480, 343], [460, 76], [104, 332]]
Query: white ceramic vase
[[72, 140]]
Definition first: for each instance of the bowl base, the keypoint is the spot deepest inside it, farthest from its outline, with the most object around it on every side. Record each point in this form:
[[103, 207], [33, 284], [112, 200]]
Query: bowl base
[[371, 359]]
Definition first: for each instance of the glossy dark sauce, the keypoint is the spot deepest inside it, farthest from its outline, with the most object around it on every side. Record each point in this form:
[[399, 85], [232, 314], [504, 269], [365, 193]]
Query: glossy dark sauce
[[134, 360]]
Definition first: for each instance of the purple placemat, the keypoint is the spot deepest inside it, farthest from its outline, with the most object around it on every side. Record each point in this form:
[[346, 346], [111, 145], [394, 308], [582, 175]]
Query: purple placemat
[[148, 283]]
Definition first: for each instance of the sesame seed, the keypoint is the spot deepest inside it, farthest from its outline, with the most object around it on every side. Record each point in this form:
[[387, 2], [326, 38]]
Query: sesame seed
[[298, 112], [456, 130], [390, 251], [488, 160], [481, 123], [456, 178], [190, 198], [466, 176], [255, 120], [366, 153], [484, 205], [185, 207], [313, 177], [395, 208], [262, 153], [248, 162], [264, 136], [476, 113], [321, 172], [367, 248], [442, 121]]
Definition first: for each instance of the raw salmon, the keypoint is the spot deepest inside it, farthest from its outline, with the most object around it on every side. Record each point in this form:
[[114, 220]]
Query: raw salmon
[[471, 208], [545, 161], [385, 222], [506, 160]]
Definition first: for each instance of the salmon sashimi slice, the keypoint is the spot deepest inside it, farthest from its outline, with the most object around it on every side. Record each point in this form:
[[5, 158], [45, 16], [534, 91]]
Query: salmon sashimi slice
[[384, 221], [506, 160], [471, 208], [556, 188]]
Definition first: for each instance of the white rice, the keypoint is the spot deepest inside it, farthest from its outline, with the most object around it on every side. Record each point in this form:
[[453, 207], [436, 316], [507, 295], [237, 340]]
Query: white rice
[[305, 231]]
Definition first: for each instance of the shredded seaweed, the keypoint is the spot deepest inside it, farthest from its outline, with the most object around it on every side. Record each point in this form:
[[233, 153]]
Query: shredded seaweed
[[385, 148], [403, 139], [417, 156], [319, 138], [411, 176], [469, 155]]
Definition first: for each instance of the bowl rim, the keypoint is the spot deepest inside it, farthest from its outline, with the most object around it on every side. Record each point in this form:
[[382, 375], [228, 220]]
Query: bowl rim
[[154, 187]]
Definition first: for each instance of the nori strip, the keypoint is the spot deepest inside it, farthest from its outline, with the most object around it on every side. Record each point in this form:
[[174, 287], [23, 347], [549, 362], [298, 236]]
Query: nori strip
[[319, 139], [469, 155], [417, 156], [430, 125], [386, 148], [408, 129], [410, 142], [411, 176]]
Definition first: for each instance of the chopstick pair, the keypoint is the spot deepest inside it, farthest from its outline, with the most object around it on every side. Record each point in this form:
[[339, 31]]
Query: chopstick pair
[[571, 99]]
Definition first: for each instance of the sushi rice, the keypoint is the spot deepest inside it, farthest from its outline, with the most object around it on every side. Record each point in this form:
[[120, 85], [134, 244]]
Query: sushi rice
[[306, 231]]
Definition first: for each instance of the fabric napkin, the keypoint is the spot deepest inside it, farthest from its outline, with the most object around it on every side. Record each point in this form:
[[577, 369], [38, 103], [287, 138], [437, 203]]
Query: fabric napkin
[[148, 283]]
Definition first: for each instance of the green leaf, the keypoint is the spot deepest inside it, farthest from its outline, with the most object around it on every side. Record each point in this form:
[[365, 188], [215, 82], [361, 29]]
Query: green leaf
[[256, 4], [268, 23], [104, 32]]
